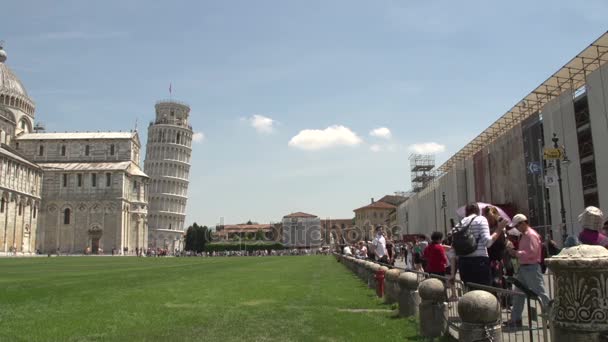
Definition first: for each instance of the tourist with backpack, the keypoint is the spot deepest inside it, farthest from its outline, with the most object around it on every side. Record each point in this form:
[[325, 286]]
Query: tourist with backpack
[[470, 241]]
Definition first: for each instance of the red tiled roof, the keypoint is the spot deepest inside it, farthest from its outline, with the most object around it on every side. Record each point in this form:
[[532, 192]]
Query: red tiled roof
[[377, 205], [299, 214], [245, 227], [393, 199]]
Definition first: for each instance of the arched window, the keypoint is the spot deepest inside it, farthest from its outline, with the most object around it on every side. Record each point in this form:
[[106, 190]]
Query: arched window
[[66, 216]]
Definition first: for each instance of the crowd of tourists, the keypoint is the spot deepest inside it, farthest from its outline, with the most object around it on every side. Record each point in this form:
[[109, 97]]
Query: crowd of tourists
[[260, 253], [486, 247]]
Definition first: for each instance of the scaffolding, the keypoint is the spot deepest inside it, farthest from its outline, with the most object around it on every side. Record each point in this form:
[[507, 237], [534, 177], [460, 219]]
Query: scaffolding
[[421, 170]]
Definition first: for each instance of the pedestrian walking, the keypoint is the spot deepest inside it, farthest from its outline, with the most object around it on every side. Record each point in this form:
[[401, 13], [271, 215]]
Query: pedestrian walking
[[470, 241], [379, 244], [529, 273], [390, 250], [435, 255], [498, 251]]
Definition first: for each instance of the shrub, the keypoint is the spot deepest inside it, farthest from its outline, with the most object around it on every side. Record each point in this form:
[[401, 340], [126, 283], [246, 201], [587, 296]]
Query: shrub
[[248, 246]]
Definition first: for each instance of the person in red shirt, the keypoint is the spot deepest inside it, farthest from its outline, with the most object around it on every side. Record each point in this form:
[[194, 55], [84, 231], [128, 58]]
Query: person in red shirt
[[436, 258]]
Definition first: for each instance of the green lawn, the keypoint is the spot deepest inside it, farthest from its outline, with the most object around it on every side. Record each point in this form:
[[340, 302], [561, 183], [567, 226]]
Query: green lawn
[[190, 299]]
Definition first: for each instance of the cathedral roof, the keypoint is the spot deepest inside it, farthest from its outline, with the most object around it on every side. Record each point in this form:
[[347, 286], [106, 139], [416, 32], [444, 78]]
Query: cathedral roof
[[10, 84], [126, 166], [77, 135], [14, 156]]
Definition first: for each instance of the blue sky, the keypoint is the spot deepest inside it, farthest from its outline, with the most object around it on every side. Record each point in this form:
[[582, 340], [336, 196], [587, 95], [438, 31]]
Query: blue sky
[[286, 93]]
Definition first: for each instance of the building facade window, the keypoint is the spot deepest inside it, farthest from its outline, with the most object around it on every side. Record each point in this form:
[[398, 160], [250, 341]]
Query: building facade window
[[87, 150], [66, 216], [65, 180], [20, 209], [112, 150], [79, 176], [34, 212], [93, 180], [63, 150], [41, 150], [2, 203], [108, 179]]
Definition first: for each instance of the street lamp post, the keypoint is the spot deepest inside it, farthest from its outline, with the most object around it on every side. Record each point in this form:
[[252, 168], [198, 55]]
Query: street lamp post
[[444, 206], [558, 165]]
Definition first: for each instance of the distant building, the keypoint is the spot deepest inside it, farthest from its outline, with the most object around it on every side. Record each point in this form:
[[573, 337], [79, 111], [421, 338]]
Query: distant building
[[301, 230], [341, 229], [242, 231], [374, 214], [395, 200]]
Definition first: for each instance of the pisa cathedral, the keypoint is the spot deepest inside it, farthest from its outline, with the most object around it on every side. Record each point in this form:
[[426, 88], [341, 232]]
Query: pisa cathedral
[[86, 192]]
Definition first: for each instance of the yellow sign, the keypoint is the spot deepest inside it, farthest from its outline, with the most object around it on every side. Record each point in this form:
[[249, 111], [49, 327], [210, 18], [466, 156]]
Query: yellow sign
[[553, 153]]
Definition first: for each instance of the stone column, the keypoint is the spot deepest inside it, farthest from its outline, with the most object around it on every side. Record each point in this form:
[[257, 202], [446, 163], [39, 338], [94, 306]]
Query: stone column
[[390, 281], [361, 269], [433, 309], [480, 315], [580, 308], [408, 294]]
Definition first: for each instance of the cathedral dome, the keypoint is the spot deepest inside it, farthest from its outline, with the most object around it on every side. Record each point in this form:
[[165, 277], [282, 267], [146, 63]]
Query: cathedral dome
[[12, 91]]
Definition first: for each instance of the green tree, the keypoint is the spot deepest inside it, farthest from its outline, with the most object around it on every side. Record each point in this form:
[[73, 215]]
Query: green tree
[[259, 235], [196, 238]]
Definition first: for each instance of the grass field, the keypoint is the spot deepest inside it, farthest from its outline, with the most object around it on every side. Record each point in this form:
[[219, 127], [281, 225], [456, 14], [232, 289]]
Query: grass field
[[190, 299]]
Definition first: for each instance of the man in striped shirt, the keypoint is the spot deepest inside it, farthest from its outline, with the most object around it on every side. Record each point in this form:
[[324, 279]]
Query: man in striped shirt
[[475, 267]]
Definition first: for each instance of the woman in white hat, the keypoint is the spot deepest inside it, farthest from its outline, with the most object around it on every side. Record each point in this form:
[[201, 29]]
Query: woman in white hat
[[592, 219]]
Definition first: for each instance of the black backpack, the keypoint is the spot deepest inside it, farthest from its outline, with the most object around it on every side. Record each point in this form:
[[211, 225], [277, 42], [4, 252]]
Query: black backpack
[[463, 241]]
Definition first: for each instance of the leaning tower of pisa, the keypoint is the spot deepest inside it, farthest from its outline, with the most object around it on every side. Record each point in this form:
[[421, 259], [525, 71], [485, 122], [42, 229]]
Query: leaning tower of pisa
[[168, 164]]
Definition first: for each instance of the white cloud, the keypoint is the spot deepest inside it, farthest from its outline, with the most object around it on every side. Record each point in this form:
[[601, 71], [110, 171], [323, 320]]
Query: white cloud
[[427, 148], [375, 148], [198, 137], [317, 139], [381, 132], [261, 123]]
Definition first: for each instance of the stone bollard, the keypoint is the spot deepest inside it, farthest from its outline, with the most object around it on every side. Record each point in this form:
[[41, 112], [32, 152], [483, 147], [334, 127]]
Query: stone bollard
[[408, 294], [371, 281], [480, 315], [390, 280], [580, 307], [433, 309], [361, 269]]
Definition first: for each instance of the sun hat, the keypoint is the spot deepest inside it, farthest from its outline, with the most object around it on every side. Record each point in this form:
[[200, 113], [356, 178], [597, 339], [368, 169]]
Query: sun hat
[[517, 219], [591, 218]]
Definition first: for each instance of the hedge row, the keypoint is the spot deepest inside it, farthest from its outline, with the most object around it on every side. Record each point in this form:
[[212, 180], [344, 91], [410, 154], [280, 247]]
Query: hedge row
[[248, 246]]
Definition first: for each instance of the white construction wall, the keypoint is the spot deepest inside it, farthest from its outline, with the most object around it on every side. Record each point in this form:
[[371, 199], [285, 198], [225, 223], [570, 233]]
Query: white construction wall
[[558, 117], [597, 96]]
